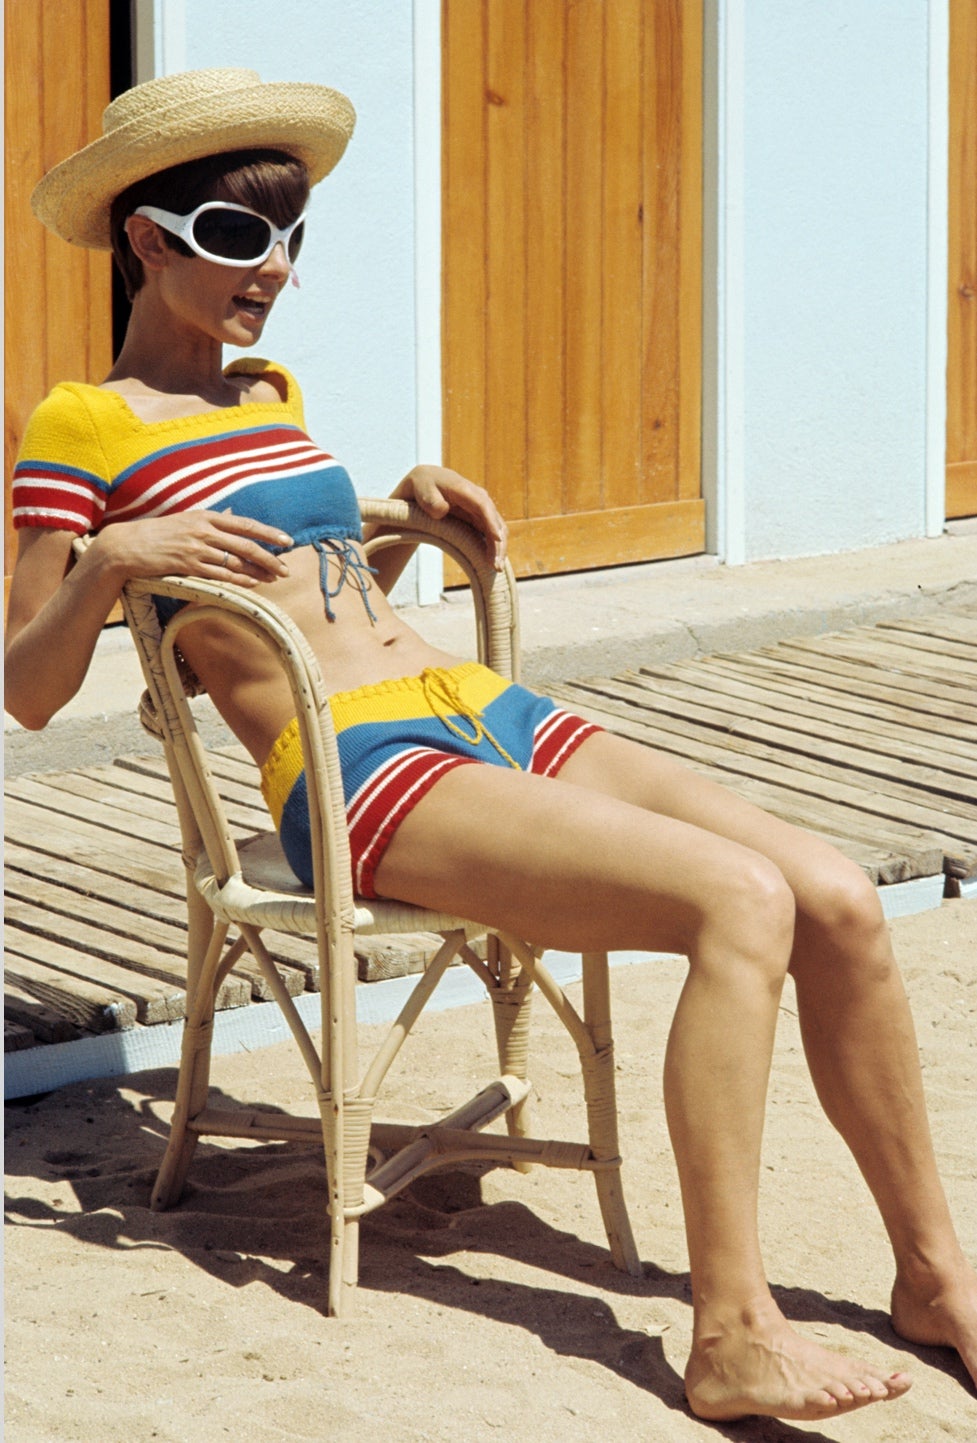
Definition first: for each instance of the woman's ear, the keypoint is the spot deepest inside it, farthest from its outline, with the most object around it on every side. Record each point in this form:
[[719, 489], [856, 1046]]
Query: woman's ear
[[146, 240]]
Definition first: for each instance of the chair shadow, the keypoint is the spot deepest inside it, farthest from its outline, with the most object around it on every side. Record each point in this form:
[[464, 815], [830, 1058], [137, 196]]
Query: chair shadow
[[242, 1205]]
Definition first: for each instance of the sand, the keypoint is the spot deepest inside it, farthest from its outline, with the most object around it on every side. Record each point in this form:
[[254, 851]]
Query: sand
[[487, 1310]]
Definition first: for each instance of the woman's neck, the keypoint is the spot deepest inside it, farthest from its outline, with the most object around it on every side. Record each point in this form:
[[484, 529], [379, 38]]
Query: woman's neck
[[163, 359]]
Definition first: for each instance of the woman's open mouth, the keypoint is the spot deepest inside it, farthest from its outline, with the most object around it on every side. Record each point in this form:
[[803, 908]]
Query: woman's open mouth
[[252, 306]]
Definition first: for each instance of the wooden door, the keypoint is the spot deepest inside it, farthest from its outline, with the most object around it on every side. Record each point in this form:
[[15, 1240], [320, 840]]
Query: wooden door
[[572, 185], [961, 418], [57, 301]]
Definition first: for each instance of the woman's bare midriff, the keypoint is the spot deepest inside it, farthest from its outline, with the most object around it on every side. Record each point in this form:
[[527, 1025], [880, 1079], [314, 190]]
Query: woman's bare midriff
[[245, 681]]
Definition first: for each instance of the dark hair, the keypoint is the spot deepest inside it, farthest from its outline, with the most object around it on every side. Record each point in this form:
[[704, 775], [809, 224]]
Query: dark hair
[[269, 181]]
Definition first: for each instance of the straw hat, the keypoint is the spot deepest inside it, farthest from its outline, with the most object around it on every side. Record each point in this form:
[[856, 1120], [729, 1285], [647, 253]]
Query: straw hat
[[185, 117]]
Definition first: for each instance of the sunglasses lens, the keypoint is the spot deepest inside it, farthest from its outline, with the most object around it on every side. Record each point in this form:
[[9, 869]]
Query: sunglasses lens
[[232, 234], [295, 242]]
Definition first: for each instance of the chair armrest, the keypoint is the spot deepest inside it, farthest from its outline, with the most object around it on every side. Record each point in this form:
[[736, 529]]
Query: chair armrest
[[493, 592]]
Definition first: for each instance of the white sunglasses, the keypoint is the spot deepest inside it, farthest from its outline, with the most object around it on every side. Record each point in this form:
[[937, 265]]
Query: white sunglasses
[[231, 235]]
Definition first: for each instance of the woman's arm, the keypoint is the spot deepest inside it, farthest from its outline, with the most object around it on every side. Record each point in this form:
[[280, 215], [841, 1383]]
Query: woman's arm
[[57, 610], [439, 492]]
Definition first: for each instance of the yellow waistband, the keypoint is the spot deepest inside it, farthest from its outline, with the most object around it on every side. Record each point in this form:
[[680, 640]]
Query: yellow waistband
[[468, 687], [281, 770]]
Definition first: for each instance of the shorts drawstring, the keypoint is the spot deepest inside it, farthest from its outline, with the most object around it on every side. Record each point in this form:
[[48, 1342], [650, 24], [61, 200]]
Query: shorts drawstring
[[441, 690]]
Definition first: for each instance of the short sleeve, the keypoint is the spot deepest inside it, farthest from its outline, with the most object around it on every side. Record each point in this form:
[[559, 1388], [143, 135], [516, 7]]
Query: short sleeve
[[61, 478]]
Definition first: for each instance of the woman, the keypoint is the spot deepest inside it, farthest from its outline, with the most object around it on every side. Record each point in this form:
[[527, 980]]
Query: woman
[[180, 466]]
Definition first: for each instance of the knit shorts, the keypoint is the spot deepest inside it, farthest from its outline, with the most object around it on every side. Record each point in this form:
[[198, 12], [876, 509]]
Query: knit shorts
[[397, 738]]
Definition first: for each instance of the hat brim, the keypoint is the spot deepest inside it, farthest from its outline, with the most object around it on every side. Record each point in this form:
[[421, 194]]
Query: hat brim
[[311, 122]]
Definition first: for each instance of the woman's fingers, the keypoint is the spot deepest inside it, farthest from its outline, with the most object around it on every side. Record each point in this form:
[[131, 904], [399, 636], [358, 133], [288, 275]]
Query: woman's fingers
[[438, 490], [238, 541]]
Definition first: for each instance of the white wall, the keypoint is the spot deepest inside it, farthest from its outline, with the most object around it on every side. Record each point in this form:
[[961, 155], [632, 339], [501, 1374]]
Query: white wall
[[822, 164]]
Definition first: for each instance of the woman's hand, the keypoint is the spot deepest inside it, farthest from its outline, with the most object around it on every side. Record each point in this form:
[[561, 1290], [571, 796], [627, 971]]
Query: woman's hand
[[214, 544], [438, 492]]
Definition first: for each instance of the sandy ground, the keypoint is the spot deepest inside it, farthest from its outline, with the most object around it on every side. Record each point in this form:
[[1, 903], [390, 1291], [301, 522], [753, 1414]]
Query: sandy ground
[[488, 1310]]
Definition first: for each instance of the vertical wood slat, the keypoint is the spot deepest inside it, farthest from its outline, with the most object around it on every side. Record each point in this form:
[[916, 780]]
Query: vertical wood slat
[[505, 205], [623, 221], [464, 217], [584, 145], [581, 142], [545, 258], [961, 425], [57, 309], [689, 226]]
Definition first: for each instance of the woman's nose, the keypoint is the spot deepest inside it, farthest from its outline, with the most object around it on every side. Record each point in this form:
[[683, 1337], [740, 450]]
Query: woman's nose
[[278, 262]]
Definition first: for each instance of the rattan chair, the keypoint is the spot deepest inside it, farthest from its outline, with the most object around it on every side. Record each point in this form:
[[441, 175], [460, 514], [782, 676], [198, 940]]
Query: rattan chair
[[249, 887]]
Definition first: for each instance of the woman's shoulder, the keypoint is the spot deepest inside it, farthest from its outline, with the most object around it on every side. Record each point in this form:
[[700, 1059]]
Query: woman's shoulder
[[68, 411], [265, 380]]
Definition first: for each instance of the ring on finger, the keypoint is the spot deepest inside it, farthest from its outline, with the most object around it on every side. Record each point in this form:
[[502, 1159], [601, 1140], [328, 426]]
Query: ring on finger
[[225, 561]]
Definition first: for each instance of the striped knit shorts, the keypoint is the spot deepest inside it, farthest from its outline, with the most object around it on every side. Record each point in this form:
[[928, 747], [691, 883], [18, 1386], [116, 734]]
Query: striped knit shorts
[[397, 738]]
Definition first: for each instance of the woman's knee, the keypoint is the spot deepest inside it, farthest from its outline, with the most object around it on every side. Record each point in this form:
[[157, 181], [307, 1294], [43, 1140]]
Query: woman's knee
[[751, 915], [841, 912]]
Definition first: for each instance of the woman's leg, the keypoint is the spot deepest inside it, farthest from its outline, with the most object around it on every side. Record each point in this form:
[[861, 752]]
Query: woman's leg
[[856, 1026], [574, 866]]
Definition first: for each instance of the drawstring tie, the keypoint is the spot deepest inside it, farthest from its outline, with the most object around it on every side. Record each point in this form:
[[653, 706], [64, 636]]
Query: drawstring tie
[[352, 568], [441, 691]]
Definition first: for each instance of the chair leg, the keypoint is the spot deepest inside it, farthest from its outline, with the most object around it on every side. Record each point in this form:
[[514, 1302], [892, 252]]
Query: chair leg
[[511, 1012], [600, 1095], [204, 946], [346, 1179]]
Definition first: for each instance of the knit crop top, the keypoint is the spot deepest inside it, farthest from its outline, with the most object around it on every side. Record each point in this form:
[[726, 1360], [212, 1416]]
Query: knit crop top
[[87, 460]]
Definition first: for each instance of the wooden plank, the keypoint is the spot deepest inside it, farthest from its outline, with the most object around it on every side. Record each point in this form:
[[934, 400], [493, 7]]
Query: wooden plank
[[142, 945], [921, 648], [506, 243], [619, 203], [16, 1038], [676, 699], [464, 228], [40, 827], [583, 153], [954, 625], [102, 958], [929, 636], [961, 371], [688, 226], [62, 990], [848, 698], [45, 1016], [888, 851], [144, 901], [716, 683], [149, 804], [236, 779], [741, 699], [673, 528], [546, 277], [911, 690], [893, 660], [849, 679], [31, 875]]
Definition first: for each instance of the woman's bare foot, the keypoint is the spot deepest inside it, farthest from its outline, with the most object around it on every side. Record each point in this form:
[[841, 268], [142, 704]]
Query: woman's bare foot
[[766, 1368], [940, 1311]]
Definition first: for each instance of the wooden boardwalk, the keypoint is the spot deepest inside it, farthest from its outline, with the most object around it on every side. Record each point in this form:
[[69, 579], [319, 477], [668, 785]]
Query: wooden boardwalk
[[867, 736]]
